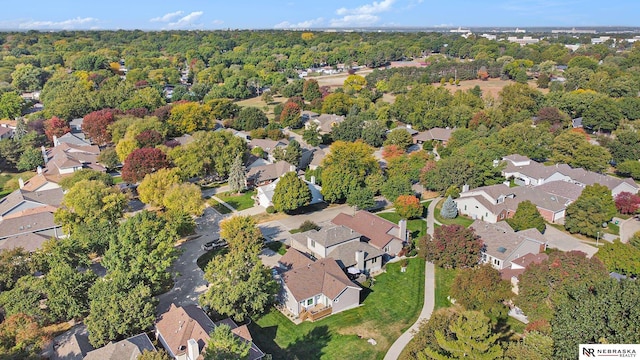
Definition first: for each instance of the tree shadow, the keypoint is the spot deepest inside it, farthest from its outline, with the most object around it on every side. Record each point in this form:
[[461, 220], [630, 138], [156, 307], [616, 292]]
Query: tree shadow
[[310, 345]]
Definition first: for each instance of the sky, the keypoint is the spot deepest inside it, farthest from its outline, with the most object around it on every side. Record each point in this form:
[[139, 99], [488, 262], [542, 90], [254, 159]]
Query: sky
[[296, 14]]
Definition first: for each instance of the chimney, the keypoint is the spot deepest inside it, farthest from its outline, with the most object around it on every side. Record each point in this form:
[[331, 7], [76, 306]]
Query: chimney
[[192, 349], [39, 169], [44, 154], [55, 141], [292, 168], [402, 231], [465, 187], [360, 260], [21, 182], [313, 180]]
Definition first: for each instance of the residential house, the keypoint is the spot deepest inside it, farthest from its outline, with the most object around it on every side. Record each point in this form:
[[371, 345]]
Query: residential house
[[72, 139], [68, 158], [317, 288], [340, 243], [76, 125], [499, 202], [576, 123], [184, 139], [40, 182], [518, 266], [380, 233], [307, 115], [266, 174], [6, 133], [318, 155], [438, 134], [501, 244], [406, 128], [268, 146], [525, 171], [127, 349], [325, 122], [265, 193], [70, 345], [184, 332]]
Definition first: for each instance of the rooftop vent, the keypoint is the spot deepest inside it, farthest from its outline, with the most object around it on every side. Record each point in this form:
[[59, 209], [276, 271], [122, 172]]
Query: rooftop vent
[[502, 250]]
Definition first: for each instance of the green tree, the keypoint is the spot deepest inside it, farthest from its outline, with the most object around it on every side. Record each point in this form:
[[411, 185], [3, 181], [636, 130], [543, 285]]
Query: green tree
[[629, 168], [14, 264], [354, 83], [154, 355], [534, 346], [11, 105], [396, 186], [87, 201], [345, 168], [594, 207], [374, 133], [311, 135], [184, 198], [67, 291], [223, 344], [154, 186], [519, 102], [527, 216], [439, 321], [237, 175], [85, 174], [118, 309], [574, 149], [361, 198], [251, 118], [27, 77], [399, 137], [144, 233], [25, 298], [336, 103], [311, 90], [473, 339], [30, 159], [482, 289], [449, 209], [290, 193], [603, 114], [620, 257]]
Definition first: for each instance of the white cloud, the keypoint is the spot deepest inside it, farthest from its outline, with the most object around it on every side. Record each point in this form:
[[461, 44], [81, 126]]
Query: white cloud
[[64, 25], [363, 15], [217, 22], [167, 17], [300, 25], [186, 20]]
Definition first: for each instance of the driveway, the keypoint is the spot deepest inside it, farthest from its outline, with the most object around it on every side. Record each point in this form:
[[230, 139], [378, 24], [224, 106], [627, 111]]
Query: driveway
[[269, 258], [565, 242], [628, 228], [189, 282]]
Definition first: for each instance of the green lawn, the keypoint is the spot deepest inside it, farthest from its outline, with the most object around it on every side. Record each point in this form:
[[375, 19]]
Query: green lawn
[[9, 181], [204, 259], [239, 202], [460, 220], [418, 227], [391, 306], [219, 207], [444, 280], [277, 246], [117, 180]]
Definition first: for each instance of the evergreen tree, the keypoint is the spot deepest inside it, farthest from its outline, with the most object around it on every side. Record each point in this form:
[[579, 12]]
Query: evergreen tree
[[237, 175], [449, 209]]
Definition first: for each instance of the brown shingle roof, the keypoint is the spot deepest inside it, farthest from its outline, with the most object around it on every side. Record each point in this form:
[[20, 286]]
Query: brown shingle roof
[[179, 324], [330, 235], [378, 231], [499, 241], [530, 258], [294, 259], [322, 277], [127, 349], [26, 224], [434, 134], [262, 173]]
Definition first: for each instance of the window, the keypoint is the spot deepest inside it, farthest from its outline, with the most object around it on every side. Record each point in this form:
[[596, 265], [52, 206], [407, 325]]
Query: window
[[386, 249], [309, 302], [465, 207], [313, 243], [501, 216], [374, 260]]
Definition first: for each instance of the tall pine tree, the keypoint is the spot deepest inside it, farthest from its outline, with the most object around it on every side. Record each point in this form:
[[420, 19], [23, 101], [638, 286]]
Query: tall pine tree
[[237, 175]]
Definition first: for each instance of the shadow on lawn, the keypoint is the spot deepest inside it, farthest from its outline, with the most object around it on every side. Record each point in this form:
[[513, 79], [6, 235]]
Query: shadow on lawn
[[309, 346]]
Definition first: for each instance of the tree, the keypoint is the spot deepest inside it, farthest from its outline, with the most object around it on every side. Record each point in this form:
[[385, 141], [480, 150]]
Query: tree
[[95, 125], [627, 203], [144, 233], [392, 151], [67, 291], [440, 321], [534, 346], [290, 115], [603, 114], [449, 209], [629, 168], [542, 286], [625, 146], [574, 149], [55, 127], [30, 159], [311, 135], [482, 289], [154, 355], [527, 216], [25, 298], [311, 90], [22, 337], [519, 101], [621, 258], [354, 83], [85, 174], [118, 309], [454, 246], [27, 77], [11, 105], [237, 175], [345, 168], [223, 344], [396, 186], [473, 339], [290, 193], [251, 118], [336, 103], [188, 117], [374, 133], [602, 312], [109, 158], [408, 206], [267, 97], [14, 264], [594, 207], [184, 198], [361, 198], [348, 130], [400, 138], [149, 138], [242, 234], [87, 201], [141, 162], [154, 186]]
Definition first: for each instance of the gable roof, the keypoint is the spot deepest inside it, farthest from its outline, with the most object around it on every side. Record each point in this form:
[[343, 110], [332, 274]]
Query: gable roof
[[345, 254], [128, 349], [318, 155], [261, 173], [500, 242], [72, 139], [530, 258], [65, 156], [329, 235], [326, 122], [37, 181], [293, 259], [322, 277], [440, 134], [377, 231], [5, 130], [51, 197], [267, 145], [72, 344], [179, 324]]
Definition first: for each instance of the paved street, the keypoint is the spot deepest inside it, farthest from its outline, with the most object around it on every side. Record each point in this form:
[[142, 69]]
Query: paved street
[[628, 228], [565, 242], [189, 282]]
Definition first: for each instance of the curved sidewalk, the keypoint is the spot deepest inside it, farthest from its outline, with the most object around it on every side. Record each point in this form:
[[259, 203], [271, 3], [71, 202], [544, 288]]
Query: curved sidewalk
[[429, 296]]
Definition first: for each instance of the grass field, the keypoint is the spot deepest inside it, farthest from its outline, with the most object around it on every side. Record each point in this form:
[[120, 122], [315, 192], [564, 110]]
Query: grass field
[[444, 280], [418, 227], [239, 202], [9, 181], [460, 220], [490, 87], [390, 307], [219, 207]]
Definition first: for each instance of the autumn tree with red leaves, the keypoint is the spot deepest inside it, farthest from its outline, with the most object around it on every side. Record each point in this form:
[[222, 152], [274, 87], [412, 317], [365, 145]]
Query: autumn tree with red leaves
[[453, 246], [290, 115], [627, 203], [55, 127], [408, 206], [95, 125], [149, 138], [391, 151], [142, 162]]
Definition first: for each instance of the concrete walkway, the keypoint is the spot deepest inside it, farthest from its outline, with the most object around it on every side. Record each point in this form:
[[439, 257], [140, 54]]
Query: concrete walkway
[[429, 295], [224, 204]]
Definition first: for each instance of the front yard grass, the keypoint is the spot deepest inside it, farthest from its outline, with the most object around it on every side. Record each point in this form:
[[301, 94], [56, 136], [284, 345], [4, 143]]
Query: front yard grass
[[444, 281], [418, 227], [460, 219], [239, 202], [391, 306], [219, 207]]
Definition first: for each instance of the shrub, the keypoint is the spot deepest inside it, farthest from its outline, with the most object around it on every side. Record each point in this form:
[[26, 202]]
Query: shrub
[[271, 209]]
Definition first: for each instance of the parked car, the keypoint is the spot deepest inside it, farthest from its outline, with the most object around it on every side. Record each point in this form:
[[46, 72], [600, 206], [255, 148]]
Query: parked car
[[212, 245]]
